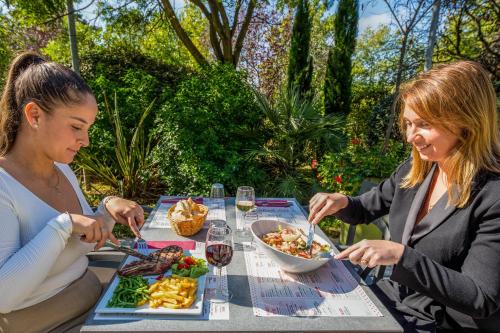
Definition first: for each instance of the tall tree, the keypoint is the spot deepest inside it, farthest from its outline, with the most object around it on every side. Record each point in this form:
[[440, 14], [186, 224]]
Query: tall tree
[[29, 24], [226, 37], [300, 64], [432, 35], [407, 14], [338, 78], [472, 31], [73, 43], [44, 19], [265, 53], [75, 59]]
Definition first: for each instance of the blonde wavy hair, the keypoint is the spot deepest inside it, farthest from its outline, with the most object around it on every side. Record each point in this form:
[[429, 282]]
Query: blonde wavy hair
[[458, 98]]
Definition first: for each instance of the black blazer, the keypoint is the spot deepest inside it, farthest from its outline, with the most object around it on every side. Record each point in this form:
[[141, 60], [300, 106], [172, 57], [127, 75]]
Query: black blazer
[[450, 268]]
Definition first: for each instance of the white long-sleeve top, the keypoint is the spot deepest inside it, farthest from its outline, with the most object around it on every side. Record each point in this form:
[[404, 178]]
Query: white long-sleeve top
[[38, 255]]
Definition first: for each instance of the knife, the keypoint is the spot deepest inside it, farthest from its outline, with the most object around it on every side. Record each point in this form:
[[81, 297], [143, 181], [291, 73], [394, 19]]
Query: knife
[[272, 203]]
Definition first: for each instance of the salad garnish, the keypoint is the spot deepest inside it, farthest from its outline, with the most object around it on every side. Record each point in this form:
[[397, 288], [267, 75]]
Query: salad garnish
[[190, 267], [293, 241]]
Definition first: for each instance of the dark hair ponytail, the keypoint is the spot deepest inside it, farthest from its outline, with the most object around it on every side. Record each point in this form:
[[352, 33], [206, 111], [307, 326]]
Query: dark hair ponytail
[[33, 79]]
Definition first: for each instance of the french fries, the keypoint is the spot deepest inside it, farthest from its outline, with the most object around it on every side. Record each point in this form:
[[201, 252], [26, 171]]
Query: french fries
[[174, 292]]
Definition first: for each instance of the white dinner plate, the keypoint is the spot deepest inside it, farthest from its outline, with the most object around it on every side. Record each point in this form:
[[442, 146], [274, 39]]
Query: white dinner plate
[[195, 309]]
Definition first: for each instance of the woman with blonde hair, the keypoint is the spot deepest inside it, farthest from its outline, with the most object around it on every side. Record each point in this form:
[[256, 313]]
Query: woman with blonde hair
[[46, 225], [443, 205]]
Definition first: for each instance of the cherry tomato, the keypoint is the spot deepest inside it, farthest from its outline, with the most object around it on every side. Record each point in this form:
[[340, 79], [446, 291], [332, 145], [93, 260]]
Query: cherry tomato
[[182, 266], [189, 260]]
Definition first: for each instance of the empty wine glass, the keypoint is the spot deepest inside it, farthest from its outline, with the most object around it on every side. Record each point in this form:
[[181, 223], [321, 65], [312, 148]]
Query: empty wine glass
[[219, 252], [217, 191], [245, 202], [218, 223]]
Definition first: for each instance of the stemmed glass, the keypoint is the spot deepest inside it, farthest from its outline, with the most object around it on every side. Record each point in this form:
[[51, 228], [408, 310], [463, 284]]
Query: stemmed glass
[[245, 199], [217, 191], [219, 252], [245, 202]]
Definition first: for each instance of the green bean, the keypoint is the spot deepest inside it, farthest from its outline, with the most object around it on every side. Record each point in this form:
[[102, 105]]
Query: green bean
[[129, 292]]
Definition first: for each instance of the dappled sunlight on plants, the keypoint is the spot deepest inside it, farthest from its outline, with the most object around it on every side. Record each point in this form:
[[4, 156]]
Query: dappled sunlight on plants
[[344, 171], [133, 169], [296, 133], [207, 128]]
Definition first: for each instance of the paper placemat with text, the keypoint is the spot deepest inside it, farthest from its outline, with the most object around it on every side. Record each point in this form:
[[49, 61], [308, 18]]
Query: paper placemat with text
[[330, 291]]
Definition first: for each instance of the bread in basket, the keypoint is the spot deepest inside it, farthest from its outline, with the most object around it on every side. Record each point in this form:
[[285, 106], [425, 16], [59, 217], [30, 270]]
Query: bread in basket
[[187, 217]]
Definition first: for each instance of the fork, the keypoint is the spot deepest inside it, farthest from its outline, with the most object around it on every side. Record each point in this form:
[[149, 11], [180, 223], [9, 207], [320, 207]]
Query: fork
[[128, 251], [142, 246], [310, 238]]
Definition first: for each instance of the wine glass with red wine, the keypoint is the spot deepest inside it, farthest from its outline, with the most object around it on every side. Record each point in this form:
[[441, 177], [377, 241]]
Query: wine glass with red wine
[[219, 252]]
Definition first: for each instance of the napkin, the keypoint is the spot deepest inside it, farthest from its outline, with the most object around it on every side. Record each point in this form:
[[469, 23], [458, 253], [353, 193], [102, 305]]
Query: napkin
[[272, 203], [186, 245], [198, 200]]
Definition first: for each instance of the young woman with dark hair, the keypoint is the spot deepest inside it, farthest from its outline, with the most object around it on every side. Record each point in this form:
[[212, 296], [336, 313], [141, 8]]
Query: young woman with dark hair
[[443, 205], [46, 225]]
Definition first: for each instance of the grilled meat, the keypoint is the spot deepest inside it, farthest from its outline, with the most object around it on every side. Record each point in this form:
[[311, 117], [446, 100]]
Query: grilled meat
[[160, 261]]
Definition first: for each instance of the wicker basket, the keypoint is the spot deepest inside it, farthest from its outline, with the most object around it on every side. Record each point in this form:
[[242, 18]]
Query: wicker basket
[[189, 227]]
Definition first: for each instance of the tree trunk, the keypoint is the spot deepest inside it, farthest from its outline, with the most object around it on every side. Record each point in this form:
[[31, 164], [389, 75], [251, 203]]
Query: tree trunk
[[406, 28], [432, 35], [75, 60], [181, 33], [399, 76], [243, 32], [226, 46]]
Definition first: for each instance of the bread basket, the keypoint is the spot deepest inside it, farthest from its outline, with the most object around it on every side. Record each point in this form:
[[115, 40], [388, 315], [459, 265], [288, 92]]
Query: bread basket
[[188, 227]]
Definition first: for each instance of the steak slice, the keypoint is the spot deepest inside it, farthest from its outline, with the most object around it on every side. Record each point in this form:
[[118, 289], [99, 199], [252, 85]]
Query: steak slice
[[160, 262]]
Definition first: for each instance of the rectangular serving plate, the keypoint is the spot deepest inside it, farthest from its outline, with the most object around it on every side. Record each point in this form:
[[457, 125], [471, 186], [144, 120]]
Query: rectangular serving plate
[[195, 309]]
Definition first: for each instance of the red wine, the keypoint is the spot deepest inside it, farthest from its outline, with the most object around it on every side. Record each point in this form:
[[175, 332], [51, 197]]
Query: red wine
[[219, 254]]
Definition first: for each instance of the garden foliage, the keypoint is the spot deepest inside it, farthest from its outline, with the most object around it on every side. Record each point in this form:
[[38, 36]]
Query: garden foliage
[[131, 169], [344, 171], [206, 128], [296, 132], [136, 80], [130, 88], [206, 125]]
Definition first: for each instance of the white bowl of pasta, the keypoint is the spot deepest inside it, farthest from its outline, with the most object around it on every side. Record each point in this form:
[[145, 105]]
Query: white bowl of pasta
[[284, 243]]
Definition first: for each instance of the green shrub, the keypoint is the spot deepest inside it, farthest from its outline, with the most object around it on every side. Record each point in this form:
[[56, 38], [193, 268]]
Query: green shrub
[[206, 130], [135, 79], [344, 171], [368, 119], [115, 62], [137, 83]]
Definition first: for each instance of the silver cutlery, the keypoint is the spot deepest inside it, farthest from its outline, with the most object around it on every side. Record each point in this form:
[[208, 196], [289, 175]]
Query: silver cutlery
[[310, 238], [128, 251], [142, 246]]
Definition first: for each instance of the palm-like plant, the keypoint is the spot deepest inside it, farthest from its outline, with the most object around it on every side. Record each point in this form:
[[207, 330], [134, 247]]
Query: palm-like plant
[[297, 132], [130, 171]]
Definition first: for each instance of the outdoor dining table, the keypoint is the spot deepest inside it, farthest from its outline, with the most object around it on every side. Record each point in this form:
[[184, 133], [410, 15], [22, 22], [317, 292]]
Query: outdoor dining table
[[241, 316]]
